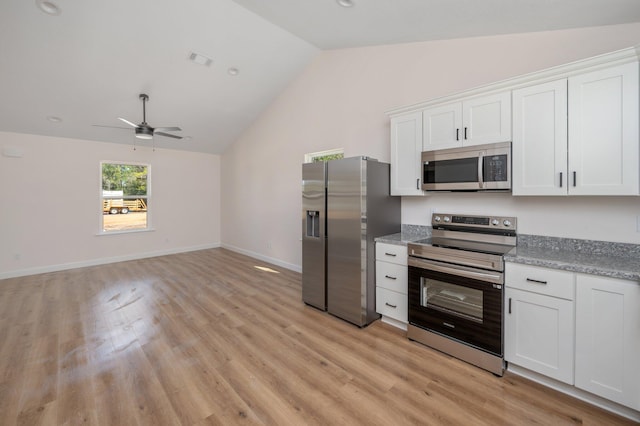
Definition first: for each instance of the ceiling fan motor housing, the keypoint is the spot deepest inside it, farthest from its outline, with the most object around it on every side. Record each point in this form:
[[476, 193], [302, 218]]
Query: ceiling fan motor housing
[[144, 132]]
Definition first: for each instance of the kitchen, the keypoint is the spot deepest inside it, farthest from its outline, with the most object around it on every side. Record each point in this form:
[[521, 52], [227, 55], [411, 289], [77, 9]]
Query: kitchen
[[347, 112]]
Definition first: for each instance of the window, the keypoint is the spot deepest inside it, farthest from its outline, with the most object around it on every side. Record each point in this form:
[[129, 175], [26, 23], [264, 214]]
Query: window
[[124, 196], [332, 154]]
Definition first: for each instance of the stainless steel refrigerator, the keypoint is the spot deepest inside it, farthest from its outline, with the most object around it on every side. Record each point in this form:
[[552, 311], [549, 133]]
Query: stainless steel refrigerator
[[345, 205]]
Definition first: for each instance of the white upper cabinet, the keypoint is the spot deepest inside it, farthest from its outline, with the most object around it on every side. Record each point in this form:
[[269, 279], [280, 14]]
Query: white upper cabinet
[[406, 148], [476, 121], [603, 132], [575, 128], [487, 119], [540, 139], [578, 136], [442, 126]]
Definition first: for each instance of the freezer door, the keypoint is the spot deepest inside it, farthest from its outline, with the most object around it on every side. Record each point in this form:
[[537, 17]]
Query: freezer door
[[314, 290], [346, 240]]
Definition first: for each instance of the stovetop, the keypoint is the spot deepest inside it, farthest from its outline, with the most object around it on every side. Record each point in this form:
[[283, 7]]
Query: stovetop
[[466, 245], [475, 241]]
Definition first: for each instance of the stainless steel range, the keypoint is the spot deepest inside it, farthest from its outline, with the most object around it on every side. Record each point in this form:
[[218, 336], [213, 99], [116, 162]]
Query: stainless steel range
[[456, 293]]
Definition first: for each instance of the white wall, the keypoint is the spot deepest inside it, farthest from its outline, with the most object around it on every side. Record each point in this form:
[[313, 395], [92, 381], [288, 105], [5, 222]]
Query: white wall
[[340, 100], [50, 203]]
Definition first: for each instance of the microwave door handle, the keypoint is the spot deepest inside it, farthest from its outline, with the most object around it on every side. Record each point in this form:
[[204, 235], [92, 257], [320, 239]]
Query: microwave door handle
[[480, 171]]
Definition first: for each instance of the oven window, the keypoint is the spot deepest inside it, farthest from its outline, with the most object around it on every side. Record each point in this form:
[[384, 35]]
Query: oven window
[[451, 298]]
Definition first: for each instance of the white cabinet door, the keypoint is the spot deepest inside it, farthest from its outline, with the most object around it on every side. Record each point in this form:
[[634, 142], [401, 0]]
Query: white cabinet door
[[603, 132], [442, 127], [406, 149], [540, 139], [608, 338], [477, 121], [486, 119], [539, 333]]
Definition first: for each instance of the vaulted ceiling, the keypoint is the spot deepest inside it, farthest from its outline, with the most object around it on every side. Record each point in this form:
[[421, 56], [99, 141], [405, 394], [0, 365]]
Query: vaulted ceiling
[[86, 62]]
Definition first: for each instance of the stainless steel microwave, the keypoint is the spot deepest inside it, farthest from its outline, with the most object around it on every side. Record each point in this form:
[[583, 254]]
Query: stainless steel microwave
[[471, 168]]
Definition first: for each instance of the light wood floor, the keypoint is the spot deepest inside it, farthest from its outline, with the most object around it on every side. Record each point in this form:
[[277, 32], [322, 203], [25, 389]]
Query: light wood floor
[[207, 337]]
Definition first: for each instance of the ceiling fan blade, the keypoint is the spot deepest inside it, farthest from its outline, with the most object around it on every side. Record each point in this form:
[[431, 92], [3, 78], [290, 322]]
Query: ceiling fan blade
[[168, 129], [128, 122], [111, 127], [167, 134]]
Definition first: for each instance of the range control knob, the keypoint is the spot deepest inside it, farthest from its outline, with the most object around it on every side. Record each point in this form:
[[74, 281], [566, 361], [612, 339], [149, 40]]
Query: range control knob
[[495, 222], [436, 219], [506, 223], [447, 219]]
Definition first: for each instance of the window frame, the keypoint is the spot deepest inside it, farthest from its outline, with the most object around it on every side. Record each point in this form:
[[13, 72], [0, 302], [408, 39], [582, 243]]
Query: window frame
[[147, 197], [310, 157]]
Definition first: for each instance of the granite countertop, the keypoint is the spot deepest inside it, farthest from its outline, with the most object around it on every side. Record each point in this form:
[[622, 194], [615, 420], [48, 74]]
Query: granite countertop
[[609, 259], [615, 260], [407, 234]]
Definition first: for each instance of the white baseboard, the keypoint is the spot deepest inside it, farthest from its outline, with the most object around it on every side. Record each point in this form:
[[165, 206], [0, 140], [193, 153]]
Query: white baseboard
[[394, 322], [102, 261], [290, 266], [605, 404]]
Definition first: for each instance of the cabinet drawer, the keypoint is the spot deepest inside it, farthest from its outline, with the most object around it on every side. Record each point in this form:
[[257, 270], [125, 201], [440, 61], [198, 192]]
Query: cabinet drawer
[[391, 253], [391, 276], [391, 304], [540, 280]]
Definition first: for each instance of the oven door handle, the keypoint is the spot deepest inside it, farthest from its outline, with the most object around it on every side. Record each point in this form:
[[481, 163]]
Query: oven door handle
[[462, 271]]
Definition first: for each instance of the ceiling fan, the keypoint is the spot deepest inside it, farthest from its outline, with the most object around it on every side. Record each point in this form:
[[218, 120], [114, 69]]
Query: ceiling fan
[[144, 130]]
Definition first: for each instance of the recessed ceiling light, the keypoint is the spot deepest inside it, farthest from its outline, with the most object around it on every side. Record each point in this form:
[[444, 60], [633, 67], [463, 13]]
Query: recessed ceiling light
[[48, 7], [54, 119], [233, 71], [200, 59], [346, 3]]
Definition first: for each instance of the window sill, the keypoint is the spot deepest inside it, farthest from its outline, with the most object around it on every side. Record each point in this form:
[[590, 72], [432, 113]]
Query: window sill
[[126, 231]]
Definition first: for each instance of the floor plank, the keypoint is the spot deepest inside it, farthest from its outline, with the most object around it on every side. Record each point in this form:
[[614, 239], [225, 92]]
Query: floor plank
[[213, 337]]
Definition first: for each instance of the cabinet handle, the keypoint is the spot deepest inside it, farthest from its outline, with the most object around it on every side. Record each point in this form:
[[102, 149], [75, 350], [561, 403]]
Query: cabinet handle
[[531, 280], [509, 305], [465, 133], [418, 183], [390, 277], [457, 134], [390, 305], [560, 179], [391, 254], [574, 178]]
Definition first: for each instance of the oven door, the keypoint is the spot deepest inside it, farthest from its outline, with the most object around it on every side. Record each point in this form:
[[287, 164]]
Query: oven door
[[458, 302]]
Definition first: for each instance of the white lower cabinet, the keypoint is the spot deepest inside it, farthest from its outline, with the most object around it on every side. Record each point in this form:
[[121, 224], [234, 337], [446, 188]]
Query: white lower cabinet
[[392, 284], [579, 329], [539, 320], [608, 338], [539, 331]]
